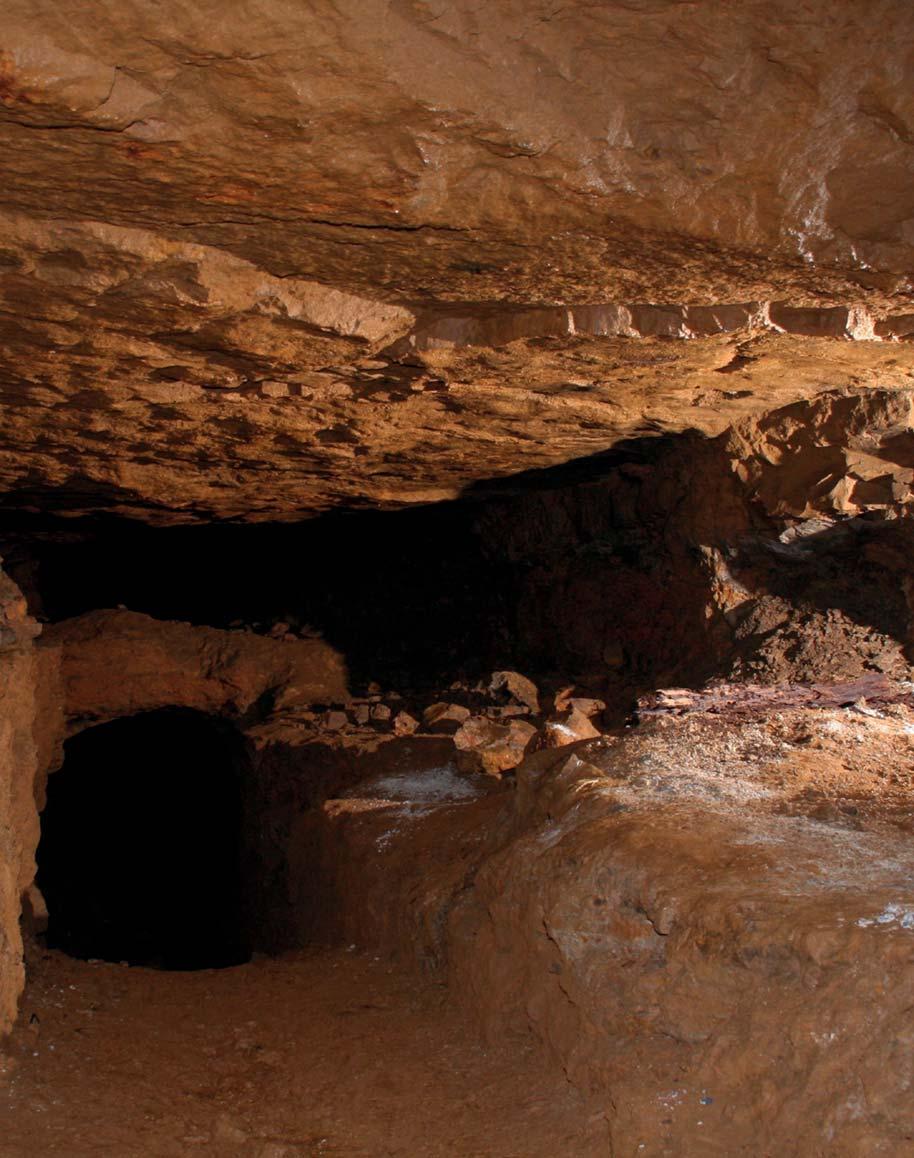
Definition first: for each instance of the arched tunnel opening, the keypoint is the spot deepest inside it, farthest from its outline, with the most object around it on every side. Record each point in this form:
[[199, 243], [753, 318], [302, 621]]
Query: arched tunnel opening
[[140, 857]]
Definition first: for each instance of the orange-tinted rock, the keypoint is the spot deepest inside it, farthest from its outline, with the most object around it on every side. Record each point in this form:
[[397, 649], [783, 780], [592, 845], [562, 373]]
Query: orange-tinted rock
[[445, 717], [664, 911], [519, 687], [243, 302], [495, 748], [405, 724], [117, 663], [568, 729], [29, 730]]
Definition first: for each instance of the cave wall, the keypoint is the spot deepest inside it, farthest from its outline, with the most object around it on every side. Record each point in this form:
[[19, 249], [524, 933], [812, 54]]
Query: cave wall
[[778, 550], [666, 559], [117, 663], [691, 918], [670, 560], [30, 726]]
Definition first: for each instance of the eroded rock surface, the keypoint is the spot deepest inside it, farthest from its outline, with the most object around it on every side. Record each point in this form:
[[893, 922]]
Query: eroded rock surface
[[20, 759], [280, 261], [118, 663], [689, 916]]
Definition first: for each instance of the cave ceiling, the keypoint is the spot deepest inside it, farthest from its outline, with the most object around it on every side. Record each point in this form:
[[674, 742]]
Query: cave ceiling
[[264, 259]]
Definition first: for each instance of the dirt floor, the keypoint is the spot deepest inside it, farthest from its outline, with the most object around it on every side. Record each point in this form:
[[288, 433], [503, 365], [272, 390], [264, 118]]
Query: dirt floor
[[311, 1054]]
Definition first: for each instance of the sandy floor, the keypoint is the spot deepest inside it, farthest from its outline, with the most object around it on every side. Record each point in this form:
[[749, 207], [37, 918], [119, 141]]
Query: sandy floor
[[320, 1053]]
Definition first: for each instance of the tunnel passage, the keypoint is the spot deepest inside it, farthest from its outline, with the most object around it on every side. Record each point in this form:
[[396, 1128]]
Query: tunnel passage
[[140, 857]]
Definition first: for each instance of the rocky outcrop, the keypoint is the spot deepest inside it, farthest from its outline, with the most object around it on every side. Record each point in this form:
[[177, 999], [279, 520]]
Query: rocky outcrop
[[118, 663], [689, 916]]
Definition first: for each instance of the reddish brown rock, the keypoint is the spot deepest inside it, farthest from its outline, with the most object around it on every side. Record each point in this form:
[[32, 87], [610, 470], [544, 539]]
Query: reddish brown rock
[[522, 689], [405, 724], [185, 338], [666, 910], [445, 717], [568, 729], [495, 748], [117, 663], [31, 726]]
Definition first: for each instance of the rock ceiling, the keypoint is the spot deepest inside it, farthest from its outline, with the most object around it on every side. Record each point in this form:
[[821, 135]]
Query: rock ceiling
[[258, 260]]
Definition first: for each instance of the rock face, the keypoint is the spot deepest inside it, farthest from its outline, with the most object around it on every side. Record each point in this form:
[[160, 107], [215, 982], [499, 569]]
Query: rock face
[[632, 282], [21, 745], [118, 663], [311, 126], [690, 917]]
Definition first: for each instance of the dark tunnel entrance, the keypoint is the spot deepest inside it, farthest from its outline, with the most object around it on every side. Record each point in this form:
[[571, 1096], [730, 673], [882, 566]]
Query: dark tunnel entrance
[[141, 844]]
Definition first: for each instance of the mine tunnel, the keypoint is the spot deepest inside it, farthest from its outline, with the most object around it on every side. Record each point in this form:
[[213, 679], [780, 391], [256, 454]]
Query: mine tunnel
[[140, 857], [456, 579]]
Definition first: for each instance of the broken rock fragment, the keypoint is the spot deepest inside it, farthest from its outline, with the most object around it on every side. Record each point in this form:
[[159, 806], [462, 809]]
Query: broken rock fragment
[[495, 748], [566, 700], [522, 689], [405, 724], [444, 717], [335, 721], [570, 729]]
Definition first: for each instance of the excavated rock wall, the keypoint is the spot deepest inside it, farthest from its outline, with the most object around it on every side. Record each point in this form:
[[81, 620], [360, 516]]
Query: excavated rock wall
[[107, 665], [695, 919], [118, 663], [779, 550], [27, 727]]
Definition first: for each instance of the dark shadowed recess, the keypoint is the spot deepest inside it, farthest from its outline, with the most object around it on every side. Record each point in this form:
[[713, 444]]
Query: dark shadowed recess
[[141, 851], [403, 595], [595, 569], [412, 596]]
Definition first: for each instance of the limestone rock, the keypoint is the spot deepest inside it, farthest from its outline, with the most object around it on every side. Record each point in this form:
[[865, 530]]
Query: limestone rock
[[118, 663], [405, 724], [334, 721], [565, 700], [29, 730], [309, 258]]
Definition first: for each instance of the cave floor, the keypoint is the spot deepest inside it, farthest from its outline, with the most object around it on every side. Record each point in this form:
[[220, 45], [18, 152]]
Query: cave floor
[[313, 1053]]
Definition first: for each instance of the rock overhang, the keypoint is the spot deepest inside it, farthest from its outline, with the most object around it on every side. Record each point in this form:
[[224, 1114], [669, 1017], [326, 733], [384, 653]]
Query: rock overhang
[[265, 266]]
